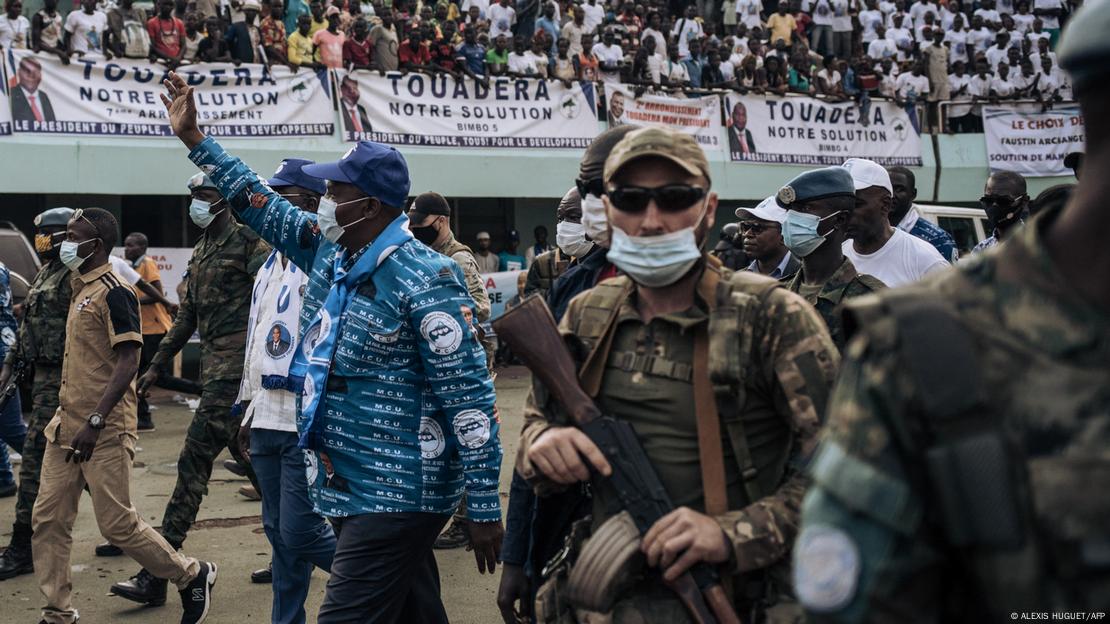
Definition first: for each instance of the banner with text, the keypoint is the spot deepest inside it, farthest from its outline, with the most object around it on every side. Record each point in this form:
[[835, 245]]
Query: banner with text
[[5, 105], [699, 116], [1025, 140], [441, 111], [501, 288], [808, 131], [172, 262], [121, 98]]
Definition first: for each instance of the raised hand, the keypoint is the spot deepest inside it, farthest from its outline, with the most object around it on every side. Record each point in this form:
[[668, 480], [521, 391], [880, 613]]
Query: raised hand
[[182, 110]]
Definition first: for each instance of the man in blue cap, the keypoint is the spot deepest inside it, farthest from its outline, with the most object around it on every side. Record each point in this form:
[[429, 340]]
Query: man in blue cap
[[299, 537], [816, 207], [398, 407], [963, 468]]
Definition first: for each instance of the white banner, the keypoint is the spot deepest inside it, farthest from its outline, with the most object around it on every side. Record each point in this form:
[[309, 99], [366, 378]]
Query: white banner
[[808, 131], [172, 262], [1024, 140], [501, 288], [699, 116], [121, 98], [440, 111], [5, 104]]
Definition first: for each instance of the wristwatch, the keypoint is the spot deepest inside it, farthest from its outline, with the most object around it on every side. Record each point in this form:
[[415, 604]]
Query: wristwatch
[[96, 420]]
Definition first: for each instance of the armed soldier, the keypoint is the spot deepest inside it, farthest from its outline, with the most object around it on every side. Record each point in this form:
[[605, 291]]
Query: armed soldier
[[40, 343], [217, 305], [964, 472], [676, 347], [570, 243], [815, 208]]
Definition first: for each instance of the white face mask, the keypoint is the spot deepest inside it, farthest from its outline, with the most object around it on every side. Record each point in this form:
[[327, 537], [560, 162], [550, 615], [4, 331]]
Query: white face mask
[[656, 261], [595, 220], [571, 238], [326, 219], [200, 212]]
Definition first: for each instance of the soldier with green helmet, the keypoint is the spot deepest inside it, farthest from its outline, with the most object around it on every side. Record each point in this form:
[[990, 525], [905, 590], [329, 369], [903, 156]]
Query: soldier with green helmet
[[220, 276], [964, 469], [814, 208], [40, 343], [724, 377]]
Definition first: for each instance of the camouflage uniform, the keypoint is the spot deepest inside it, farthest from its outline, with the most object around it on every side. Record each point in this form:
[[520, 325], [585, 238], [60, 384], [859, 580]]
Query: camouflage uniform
[[971, 487], [545, 269], [845, 283], [770, 397], [464, 257], [41, 342], [217, 304]]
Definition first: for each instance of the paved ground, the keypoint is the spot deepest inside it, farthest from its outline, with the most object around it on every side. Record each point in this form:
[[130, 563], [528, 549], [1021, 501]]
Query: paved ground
[[229, 531]]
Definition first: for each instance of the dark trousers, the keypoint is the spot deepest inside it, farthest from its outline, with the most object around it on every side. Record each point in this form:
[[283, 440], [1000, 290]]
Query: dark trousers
[[150, 347], [384, 571]]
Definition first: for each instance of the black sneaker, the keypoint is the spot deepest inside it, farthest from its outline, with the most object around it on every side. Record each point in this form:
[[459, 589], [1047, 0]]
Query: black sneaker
[[143, 588], [8, 490], [146, 424], [263, 576], [196, 599], [235, 468], [108, 549], [15, 561], [455, 536]]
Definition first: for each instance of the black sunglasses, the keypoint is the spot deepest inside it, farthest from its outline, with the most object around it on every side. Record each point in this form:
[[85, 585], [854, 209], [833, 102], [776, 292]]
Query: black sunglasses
[[1001, 200], [755, 227], [595, 187], [669, 198]]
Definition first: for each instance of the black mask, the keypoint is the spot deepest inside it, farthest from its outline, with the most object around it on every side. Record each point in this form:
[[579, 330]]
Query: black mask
[[426, 234]]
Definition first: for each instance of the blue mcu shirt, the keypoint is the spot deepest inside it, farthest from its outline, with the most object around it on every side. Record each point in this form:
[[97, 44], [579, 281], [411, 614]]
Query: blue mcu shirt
[[408, 416], [8, 324], [931, 233]]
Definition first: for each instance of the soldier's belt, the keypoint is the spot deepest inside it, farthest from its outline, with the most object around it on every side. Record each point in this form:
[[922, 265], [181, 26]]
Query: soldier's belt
[[632, 362]]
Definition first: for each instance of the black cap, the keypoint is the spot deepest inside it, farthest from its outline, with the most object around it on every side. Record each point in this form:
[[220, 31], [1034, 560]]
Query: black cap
[[427, 204]]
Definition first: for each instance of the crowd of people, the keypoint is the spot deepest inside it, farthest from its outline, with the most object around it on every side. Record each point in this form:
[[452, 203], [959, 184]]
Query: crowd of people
[[912, 52], [852, 427]]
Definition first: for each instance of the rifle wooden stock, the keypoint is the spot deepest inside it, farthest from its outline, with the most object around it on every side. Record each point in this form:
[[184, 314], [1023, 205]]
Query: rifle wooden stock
[[530, 331]]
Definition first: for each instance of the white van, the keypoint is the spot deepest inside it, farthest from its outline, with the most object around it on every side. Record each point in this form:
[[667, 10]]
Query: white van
[[967, 225]]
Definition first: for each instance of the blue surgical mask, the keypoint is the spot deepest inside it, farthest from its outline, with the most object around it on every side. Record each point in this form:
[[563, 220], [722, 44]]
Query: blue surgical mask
[[200, 212], [67, 253], [326, 219], [655, 261], [799, 232]]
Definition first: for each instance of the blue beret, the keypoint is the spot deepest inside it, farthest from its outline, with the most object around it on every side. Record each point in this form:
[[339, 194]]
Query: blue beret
[[54, 216], [816, 184], [289, 173], [200, 181]]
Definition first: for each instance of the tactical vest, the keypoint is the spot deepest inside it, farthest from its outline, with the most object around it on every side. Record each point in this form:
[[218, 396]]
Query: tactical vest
[[974, 468], [549, 266], [42, 338], [739, 298]]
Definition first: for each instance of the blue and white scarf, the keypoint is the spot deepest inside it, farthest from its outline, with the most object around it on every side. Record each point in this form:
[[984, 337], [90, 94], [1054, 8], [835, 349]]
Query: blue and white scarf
[[320, 339]]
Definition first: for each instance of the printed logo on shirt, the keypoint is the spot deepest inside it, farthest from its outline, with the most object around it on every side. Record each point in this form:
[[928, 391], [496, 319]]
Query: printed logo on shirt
[[432, 440], [309, 391], [472, 428], [442, 331]]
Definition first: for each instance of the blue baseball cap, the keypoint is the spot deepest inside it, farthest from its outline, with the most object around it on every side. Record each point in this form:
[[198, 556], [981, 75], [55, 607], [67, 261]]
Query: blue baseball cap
[[376, 169], [289, 173]]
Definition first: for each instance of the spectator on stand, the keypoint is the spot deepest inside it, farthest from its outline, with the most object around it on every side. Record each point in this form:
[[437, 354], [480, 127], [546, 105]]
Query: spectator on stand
[[329, 41], [244, 38], [15, 30], [86, 30], [386, 43], [488, 262], [509, 259], [300, 44], [213, 48], [129, 33], [272, 30], [46, 28]]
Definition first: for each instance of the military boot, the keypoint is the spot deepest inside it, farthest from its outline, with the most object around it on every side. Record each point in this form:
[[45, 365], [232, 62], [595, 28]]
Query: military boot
[[144, 588], [17, 559]]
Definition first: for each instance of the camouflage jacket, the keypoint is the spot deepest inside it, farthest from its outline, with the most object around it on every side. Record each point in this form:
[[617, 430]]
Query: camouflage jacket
[[464, 257], [881, 539], [42, 334], [844, 284], [545, 269], [217, 301], [782, 386]]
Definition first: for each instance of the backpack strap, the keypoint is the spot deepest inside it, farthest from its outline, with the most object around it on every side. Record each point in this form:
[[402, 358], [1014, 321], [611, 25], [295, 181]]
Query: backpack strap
[[595, 327]]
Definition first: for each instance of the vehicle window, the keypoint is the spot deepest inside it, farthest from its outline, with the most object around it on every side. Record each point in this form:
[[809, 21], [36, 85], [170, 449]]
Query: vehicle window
[[963, 230]]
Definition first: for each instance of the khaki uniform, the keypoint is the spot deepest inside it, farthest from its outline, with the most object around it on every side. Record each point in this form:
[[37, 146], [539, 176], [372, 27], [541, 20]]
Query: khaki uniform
[[545, 269], [845, 283], [964, 469], [217, 305], [772, 364], [41, 342], [103, 314], [464, 257]]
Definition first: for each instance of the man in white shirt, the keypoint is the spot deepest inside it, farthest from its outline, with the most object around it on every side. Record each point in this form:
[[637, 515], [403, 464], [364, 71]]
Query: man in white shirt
[[653, 31], [979, 87], [609, 56], [747, 12], [997, 53], [85, 29], [959, 87], [902, 38], [1001, 86], [15, 30], [989, 14], [1049, 12], [521, 62], [979, 37], [821, 30], [876, 248], [1054, 82], [870, 19], [501, 20], [483, 7], [573, 31], [685, 29], [957, 40], [595, 15], [881, 47]]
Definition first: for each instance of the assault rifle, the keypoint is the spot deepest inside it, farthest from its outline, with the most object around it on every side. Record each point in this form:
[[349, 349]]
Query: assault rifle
[[19, 369], [530, 331]]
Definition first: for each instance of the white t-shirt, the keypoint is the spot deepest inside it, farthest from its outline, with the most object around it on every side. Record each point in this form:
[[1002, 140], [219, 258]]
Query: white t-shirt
[[747, 12], [123, 268], [87, 31], [1034, 37], [501, 20], [1050, 21], [880, 49], [870, 20], [1002, 86], [996, 55], [955, 83], [957, 40], [981, 39], [595, 15], [522, 63], [822, 12], [904, 259], [990, 17], [660, 40], [907, 84], [483, 6], [15, 34], [1023, 23], [842, 20], [655, 68], [685, 30], [903, 41], [1005, 7]]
